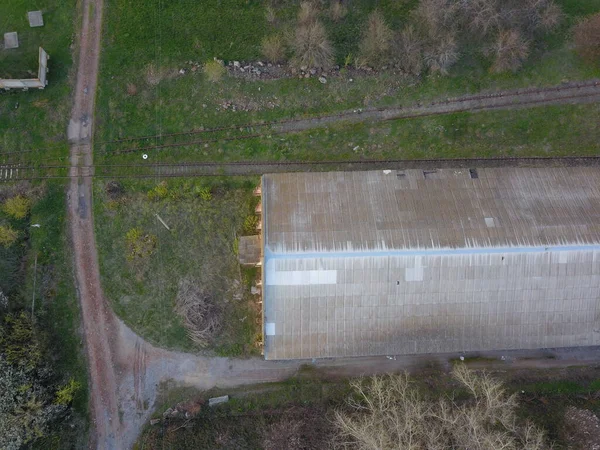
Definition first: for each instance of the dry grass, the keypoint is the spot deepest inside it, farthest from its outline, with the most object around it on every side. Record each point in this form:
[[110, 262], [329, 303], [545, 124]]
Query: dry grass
[[510, 51], [311, 46], [389, 412], [587, 39], [131, 89], [214, 70], [308, 13], [153, 75], [285, 434], [374, 48], [201, 314], [272, 48], [270, 15]]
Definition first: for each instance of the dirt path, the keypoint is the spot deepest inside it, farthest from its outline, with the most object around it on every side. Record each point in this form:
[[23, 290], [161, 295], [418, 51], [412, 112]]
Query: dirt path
[[125, 371], [98, 322]]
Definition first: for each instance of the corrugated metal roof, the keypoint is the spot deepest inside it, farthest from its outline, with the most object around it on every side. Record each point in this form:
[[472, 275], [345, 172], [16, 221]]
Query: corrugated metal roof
[[343, 211], [372, 263]]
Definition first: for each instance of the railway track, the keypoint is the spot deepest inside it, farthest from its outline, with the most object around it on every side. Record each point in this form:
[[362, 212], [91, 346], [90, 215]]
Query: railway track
[[579, 92], [254, 168]]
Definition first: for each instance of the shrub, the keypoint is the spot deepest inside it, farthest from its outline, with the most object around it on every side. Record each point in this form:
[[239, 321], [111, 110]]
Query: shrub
[[376, 41], [587, 39], [8, 236], [160, 192], [311, 47], [204, 193], [214, 70], [337, 10], [64, 395], [541, 14], [442, 54], [17, 207], [272, 48], [250, 224], [509, 50], [140, 245], [409, 51], [308, 13]]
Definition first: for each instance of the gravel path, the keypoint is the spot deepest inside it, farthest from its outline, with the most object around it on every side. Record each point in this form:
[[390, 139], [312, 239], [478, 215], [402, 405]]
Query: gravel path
[[124, 370]]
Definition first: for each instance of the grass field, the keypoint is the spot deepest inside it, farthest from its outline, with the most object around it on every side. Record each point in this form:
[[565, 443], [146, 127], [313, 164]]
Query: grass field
[[36, 120], [254, 411], [51, 285], [563, 130], [201, 244], [165, 40]]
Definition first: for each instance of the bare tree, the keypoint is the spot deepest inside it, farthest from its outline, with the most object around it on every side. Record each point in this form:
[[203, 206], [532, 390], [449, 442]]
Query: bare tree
[[437, 17], [510, 50], [482, 16], [388, 412], [374, 49], [441, 54]]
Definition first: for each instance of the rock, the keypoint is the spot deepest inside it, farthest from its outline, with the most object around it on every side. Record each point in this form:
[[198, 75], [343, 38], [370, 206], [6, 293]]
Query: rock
[[307, 75], [260, 63], [236, 64], [323, 80], [168, 412], [303, 68], [181, 71], [313, 71], [154, 421]]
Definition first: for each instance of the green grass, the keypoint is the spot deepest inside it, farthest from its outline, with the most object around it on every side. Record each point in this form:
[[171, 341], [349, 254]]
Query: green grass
[[200, 244], [36, 119], [562, 130], [56, 305], [167, 39]]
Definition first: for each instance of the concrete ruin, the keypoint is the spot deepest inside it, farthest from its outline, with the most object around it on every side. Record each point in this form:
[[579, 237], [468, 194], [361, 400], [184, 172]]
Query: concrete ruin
[[30, 83]]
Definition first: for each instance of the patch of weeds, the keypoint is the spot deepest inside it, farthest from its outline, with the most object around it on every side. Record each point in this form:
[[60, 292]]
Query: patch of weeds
[[203, 217]]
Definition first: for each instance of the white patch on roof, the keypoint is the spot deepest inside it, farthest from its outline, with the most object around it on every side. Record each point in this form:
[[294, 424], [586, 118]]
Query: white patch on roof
[[270, 329], [301, 277], [413, 274], [489, 222]]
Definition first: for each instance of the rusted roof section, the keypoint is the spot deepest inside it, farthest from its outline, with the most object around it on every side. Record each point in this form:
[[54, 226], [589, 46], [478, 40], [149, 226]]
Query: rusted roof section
[[421, 210]]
